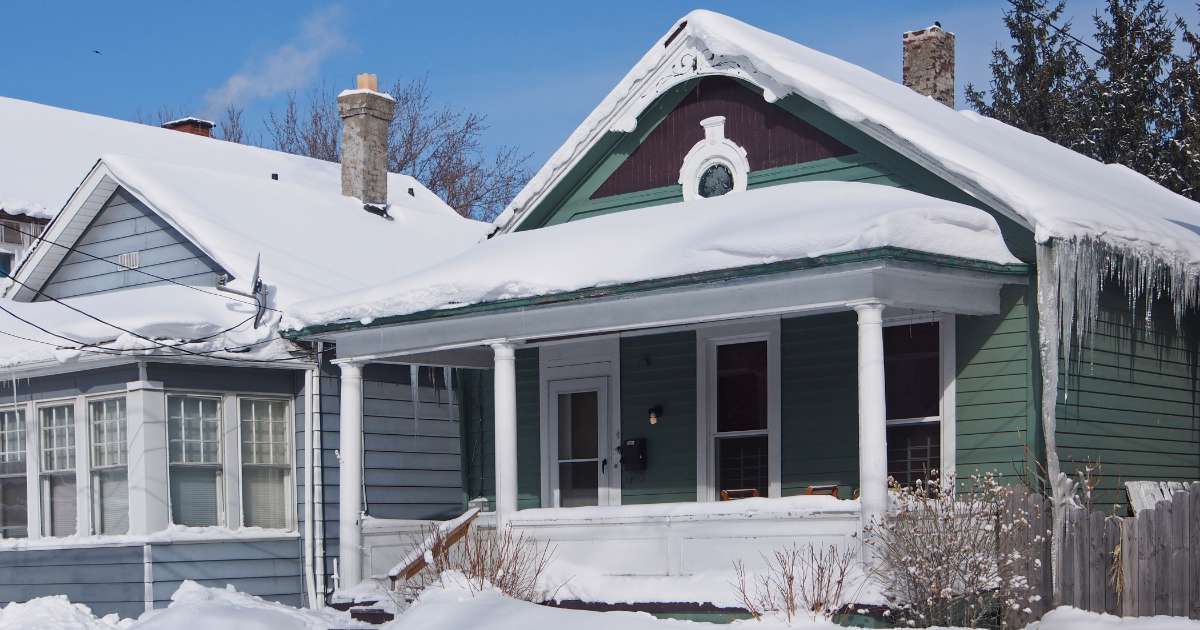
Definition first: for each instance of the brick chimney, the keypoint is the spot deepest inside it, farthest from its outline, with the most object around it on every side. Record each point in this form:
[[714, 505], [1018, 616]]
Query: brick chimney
[[929, 63], [366, 113], [195, 126]]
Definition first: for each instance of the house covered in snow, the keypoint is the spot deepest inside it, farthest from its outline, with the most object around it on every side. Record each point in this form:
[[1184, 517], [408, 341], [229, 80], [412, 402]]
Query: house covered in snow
[[758, 281], [154, 426]]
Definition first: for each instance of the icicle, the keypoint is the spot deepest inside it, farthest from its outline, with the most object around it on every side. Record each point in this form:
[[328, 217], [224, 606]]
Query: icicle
[[1053, 320]]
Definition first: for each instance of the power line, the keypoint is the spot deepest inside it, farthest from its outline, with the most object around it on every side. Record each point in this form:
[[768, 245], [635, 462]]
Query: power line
[[1047, 22], [73, 249]]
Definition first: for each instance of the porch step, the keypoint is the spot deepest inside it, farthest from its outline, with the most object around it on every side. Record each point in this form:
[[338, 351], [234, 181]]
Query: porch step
[[364, 611]]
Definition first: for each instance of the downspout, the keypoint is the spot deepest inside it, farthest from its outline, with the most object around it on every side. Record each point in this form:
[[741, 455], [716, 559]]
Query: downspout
[[316, 455], [310, 582]]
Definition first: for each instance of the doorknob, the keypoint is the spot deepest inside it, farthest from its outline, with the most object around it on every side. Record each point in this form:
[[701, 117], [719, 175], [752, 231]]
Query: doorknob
[[604, 465]]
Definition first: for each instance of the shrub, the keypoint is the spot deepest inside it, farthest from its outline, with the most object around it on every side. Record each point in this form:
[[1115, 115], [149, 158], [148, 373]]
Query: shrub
[[483, 559], [797, 581]]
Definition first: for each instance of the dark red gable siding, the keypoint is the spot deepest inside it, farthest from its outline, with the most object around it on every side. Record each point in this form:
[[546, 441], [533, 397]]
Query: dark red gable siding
[[771, 136]]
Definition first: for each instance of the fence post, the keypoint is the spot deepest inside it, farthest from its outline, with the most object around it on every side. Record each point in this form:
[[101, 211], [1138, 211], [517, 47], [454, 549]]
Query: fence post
[[1129, 557], [1178, 559], [1162, 557], [1145, 553]]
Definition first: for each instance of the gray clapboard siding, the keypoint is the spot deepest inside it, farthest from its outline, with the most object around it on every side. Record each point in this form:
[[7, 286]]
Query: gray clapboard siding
[[271, 569], [108, 579], [125, 225]]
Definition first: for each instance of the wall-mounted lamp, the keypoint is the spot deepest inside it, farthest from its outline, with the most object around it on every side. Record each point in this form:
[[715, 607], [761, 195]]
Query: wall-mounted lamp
[[655, 413]]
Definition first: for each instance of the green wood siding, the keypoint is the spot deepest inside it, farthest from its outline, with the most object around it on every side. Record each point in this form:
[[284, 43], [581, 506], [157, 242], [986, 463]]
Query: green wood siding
[[1131, 404], [819, 402], [479, 432], [660, 370], [997, 413]]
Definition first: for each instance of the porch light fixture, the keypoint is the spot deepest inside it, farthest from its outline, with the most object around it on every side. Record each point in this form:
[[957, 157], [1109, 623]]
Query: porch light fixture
[[655, 413]]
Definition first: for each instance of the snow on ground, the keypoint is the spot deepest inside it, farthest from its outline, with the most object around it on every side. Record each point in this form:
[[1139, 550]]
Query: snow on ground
[[766, 225], [451, 606]]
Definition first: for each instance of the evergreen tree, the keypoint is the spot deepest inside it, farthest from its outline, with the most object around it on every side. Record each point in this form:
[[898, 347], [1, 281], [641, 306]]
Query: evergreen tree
[[1129, 101], [1182, 133], [1037, 86]]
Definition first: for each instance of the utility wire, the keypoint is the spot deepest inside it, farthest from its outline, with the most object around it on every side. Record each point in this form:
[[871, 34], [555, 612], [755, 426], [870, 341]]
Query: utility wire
[[141, 271], [1047, 22]]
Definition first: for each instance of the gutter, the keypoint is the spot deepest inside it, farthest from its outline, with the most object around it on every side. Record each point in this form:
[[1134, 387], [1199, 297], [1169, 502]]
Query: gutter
[[704, 277]]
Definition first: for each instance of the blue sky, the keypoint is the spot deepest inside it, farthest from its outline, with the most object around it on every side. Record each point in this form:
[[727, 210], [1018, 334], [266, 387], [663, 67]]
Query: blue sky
[[534, 68]]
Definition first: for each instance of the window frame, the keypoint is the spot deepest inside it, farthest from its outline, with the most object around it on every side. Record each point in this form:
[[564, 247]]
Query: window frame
[[80, 471], [93, 470], [23, 410], [221, 464], [289, 485], [708, 340], [947, 373]]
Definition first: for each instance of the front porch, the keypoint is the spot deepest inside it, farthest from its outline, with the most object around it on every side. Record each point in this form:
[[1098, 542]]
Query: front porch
[[626, 417]]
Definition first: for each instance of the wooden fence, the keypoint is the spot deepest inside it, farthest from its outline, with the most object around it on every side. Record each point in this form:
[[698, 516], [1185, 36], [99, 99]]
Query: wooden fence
[[1148, 564]]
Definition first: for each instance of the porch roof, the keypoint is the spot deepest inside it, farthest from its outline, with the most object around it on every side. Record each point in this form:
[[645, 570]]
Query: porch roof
[[755, 233]]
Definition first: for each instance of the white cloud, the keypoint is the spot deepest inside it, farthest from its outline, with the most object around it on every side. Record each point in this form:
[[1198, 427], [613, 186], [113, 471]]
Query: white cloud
[[288, 67]]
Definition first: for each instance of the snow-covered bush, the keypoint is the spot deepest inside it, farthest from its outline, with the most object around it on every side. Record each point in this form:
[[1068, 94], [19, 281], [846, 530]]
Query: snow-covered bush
[[797, 581], [951, 558], [485, 559]]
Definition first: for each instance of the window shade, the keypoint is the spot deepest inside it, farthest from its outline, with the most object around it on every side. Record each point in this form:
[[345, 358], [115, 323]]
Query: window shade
[[13, 510], [194, 496], [61, 491], [112, 498], [263, 498]]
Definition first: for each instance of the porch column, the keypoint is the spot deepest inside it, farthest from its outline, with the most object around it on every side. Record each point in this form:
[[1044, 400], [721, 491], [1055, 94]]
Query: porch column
[[872, 415], [505, 374], [350, 478]]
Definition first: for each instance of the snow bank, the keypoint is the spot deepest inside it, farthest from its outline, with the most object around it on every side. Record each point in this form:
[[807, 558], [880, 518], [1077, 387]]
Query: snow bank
[[55, 613], [766, 225], [194, 607], [1066, 618]]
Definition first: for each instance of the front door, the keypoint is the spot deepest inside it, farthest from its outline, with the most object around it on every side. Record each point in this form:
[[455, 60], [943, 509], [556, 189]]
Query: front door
[[580, 452]]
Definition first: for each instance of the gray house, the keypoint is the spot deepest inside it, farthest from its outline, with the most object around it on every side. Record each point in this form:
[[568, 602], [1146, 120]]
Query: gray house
[[154, 427]]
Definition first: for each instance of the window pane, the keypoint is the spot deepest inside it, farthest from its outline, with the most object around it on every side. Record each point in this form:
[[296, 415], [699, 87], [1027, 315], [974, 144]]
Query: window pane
[[112, 501], [265, 437], [579, 483], [742, 463], [742, 386], [108, 432], [12, 443], [913, 383], [60, 508], [13, 502], [264, 497], [578, 421], [193, 496], [194, 427], [913, 451]]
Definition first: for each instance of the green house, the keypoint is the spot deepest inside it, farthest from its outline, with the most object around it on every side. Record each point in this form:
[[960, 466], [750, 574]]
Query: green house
[[758, 281]]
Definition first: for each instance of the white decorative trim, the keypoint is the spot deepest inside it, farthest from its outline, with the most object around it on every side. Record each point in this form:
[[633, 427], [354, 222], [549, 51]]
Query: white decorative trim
[[714, 149], [707, 341]]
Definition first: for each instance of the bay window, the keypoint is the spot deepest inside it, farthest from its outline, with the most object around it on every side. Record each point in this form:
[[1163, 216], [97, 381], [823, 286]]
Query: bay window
[[266, 462], [58, 469], [194, 447], [110, 478], [13, 492]]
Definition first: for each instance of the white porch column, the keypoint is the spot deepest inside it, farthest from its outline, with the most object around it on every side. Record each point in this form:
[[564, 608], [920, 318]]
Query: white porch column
[[146, 419], [872, 414], [505, 374], [350, 477]]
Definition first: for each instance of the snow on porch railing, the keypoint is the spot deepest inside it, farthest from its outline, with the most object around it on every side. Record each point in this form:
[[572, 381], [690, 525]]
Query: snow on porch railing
[[436, 545]]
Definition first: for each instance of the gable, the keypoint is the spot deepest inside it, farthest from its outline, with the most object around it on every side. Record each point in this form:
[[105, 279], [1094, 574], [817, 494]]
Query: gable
[[771, 136], [125, 226]]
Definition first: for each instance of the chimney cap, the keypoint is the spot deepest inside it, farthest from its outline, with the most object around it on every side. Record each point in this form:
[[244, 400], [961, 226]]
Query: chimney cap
[[365, 83]]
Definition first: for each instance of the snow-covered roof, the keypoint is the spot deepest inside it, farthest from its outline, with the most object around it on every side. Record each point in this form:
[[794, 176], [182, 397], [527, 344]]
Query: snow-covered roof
[[765, 225], [1056, 192], [313, 240], [46, 152]]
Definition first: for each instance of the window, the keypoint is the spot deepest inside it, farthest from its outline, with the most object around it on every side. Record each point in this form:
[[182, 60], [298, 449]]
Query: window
[[58, 469], [579, 461], [194, 436], [10, 232], [741, 431], [13, 492], [6, 263], [110, 478], [266, 462], [715, 181], [913, 386]]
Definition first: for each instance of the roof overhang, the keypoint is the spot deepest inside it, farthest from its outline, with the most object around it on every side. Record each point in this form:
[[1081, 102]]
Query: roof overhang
[[779, 289]]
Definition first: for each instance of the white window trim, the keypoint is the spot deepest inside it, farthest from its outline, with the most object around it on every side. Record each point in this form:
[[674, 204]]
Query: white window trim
[[83, 508], [222, 452], [708, 339], [949, 373], [596, 357], [32, 483], [289, 486], [89, 493]]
